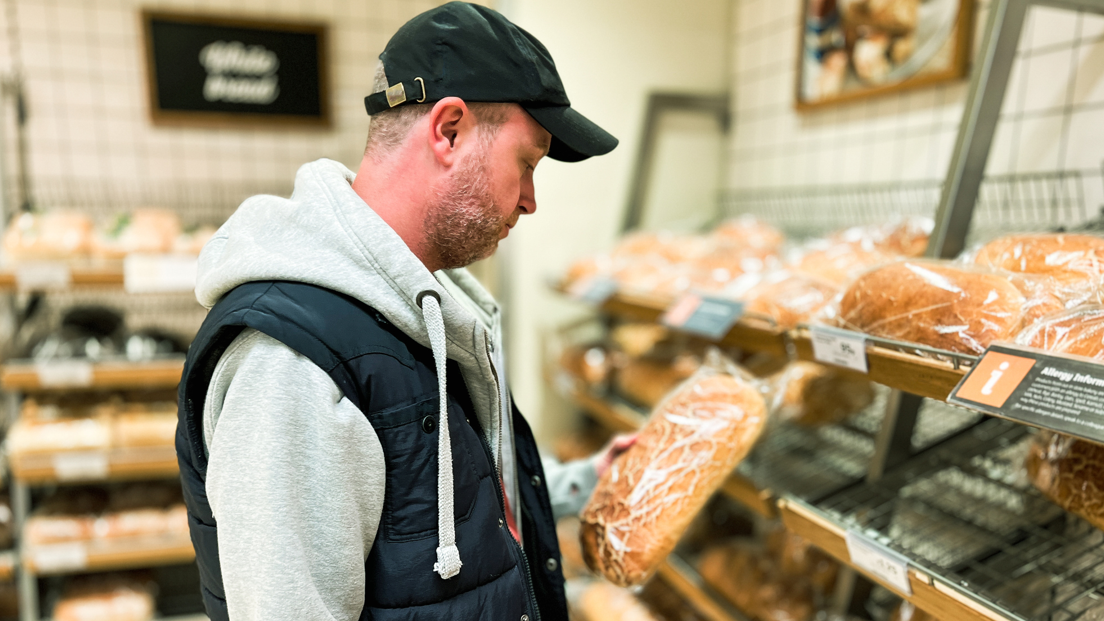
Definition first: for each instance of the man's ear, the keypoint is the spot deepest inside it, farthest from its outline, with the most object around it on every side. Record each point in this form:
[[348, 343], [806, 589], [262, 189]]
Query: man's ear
[[451, 124]]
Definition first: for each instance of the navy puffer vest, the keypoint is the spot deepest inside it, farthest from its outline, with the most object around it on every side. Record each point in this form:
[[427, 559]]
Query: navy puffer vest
[[392, 380]]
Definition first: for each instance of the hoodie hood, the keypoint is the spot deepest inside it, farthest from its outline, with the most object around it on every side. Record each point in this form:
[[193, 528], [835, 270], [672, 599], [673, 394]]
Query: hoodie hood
[[326, 235]]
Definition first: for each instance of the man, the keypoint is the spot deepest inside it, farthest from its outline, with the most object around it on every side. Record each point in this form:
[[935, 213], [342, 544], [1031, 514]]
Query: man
[[348, 445]]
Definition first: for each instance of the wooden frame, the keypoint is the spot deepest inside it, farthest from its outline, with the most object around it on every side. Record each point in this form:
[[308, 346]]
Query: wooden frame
[[957, 66], [218, 119]]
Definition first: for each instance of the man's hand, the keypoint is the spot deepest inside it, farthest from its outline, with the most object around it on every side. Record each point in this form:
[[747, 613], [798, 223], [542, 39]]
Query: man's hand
[[619, 444]]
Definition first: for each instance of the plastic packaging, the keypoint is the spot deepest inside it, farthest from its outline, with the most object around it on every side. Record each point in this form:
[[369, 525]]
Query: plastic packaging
[[144, 230], [106, 598], [47, 236], [838, 262], [811, 394], [652, 491], [933, 303], [1046, 295], [1061, 255], [1078, 332], [587, 363], [789, 298], [605, 602], [747, 231], [647, 380], [1069, 472], [907, 236]]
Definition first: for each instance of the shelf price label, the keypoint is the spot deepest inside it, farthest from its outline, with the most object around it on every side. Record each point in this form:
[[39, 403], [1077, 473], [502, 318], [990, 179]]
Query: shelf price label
[[594, 290], [64, 373], [704, 316], [1056, 392], [879, 561], [42, 275], [59, 557], [81, 466], [842, 348], [159, 273]]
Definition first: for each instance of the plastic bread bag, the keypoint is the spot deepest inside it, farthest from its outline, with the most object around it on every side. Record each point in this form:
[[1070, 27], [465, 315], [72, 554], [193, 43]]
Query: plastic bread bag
[[1060, 255], [811, 394], [107, 597], [1069, 472], [57, 234], [1047, 295], [788, 298], [750, 232], [837, 262], [1078, 332], [646, 381], [650, 494], [906, 236], [934, 303]]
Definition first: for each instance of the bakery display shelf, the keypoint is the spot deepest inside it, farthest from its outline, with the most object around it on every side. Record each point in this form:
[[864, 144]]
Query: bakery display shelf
[[979, 540], [60, 275], [83, 466], [102, 555], [29, 376], [683, 579]]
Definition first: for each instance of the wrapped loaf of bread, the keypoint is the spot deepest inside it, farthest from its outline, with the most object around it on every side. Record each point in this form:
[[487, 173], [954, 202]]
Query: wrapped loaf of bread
[[748, 232], [1070, 472], [812, 394], [1078, 332], [589, 364], [1061, 255], [51, 235], [839, 263], [145, 230], [751, 576], [647, 380], [907, 237], [789, 298], [605, 602], [934, 303], [117, 597], [652, 491]]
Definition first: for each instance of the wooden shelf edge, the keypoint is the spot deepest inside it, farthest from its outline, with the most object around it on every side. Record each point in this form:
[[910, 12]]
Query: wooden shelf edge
[[688, 584], [126, 553], [119, 464], [933, 596], [22, 376]]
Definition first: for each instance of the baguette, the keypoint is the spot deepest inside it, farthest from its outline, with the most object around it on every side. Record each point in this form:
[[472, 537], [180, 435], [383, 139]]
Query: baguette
[[651, 493]]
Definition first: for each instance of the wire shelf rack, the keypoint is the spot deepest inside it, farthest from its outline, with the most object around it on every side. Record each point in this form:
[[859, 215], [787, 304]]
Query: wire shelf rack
[[965, 511], [1038, 201]]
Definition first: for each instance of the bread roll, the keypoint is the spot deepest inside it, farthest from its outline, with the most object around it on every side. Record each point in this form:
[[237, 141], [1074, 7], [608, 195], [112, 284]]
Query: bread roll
[[605, 602], [1070, 472], [647, 380], [1079, 332], [1061, 255], [934, 303], [650, 494], [789, 298], [812, 394]]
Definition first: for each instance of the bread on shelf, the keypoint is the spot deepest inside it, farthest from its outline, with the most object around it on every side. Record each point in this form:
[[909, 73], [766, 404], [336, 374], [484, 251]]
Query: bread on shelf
[[49, 236], [106, 597], [1070, 472], [1062, 255], [605, 602], [647, 380], [651, 493], [1078, 332], [933, 303], [789, 298], [811, 394]]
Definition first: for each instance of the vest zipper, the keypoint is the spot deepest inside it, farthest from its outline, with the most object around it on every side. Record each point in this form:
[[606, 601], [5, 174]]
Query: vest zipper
[[531, 592]]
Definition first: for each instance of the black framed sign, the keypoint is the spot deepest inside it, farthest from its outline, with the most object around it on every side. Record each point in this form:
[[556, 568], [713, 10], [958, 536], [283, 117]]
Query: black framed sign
[[226, 71]]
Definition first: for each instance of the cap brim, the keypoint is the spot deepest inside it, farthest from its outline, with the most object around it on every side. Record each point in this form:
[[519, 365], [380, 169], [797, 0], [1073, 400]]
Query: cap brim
[[574, 137]]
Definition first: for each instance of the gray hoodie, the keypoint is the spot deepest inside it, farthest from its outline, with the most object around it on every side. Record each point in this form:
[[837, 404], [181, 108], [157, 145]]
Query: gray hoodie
[[296, 472]]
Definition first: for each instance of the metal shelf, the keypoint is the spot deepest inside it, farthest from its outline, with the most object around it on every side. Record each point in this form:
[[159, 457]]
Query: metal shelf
[[117, 464], [683, 579], [102, 555], [27, 376]]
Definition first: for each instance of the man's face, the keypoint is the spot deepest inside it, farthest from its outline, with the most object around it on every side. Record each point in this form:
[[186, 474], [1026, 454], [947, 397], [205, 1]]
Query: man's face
[[487, 192]]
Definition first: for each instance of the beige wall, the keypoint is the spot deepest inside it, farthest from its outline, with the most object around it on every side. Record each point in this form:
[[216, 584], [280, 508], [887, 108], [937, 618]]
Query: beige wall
[[611, 54]]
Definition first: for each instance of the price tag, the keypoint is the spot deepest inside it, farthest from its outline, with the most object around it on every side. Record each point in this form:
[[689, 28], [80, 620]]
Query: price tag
[[704, 316], [59, 557], [595, 290], [64, 373], [1062, 393], [39, 276], [159, 273], [884, 564], [81, 466], [842, 348]]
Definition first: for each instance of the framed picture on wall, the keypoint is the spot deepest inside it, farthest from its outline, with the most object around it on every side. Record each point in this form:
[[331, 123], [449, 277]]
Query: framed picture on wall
[[217, 70], [854, 49]]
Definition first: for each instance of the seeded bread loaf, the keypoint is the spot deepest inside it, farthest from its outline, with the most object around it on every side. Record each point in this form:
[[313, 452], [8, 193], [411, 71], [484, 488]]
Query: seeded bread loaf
[[1070, 472]]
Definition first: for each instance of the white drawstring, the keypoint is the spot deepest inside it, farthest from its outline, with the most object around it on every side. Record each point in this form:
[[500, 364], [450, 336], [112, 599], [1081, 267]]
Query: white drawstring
[[448, 555]]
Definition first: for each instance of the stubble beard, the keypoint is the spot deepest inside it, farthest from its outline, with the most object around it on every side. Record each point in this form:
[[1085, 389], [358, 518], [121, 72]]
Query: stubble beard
[[463, 224]]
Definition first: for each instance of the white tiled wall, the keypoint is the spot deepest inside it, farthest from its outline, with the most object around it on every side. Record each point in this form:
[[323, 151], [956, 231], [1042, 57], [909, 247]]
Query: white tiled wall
[[1053, 116], [90, 141]]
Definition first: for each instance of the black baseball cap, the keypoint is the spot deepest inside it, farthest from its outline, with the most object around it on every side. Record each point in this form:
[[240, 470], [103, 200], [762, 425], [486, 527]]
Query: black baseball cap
[[474, 53]]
